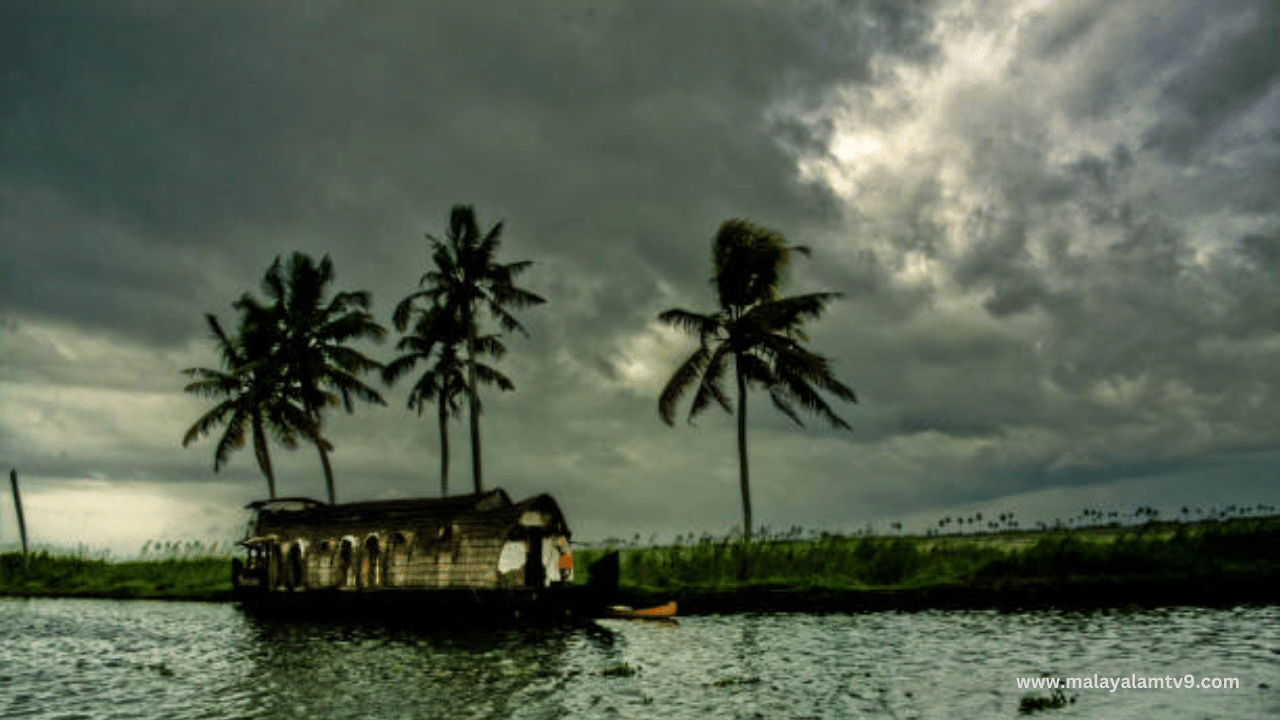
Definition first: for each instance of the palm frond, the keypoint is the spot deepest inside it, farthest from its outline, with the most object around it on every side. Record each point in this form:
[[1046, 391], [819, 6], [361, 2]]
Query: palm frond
[[346, 300], [348, 386], [507, 295], [711, 385], [515, 269], [780, 401], [506, 320], [797, 389], [790, 312], [491, 346], [490, 376], [756, 371], [207, 422], [232, 439], [213, 383], [396, 369], [488, 246], [684, 378], [350, 359], [692, 323], [814, 369]]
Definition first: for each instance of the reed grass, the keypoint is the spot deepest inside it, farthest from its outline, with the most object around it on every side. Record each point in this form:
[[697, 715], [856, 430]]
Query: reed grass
[[178, 572], [1159, 549], [1249, 547]]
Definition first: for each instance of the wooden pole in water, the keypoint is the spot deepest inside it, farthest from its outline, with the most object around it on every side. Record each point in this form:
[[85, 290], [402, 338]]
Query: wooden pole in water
[[22, 524]]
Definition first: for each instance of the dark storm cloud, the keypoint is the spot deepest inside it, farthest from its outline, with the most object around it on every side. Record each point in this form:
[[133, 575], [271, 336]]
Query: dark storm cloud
[[1236, 72], [1115, 339], [211, 128]]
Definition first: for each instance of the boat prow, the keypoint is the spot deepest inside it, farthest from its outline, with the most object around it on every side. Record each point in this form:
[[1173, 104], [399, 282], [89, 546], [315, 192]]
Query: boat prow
[[661, 613]]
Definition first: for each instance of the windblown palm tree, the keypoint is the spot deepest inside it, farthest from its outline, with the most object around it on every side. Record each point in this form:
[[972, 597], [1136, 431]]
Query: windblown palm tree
[[465, 280], [435, 341], [250, 400], [760, 332], [305, 337]]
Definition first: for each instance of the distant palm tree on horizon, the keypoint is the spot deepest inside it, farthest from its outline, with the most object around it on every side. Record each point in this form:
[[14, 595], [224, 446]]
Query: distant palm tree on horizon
[[249, 400], [304, 336], [464, 279], [760, 332], [444, 380]]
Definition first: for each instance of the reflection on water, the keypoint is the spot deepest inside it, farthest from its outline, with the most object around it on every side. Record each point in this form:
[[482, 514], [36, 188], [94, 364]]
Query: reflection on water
[[109, 659]]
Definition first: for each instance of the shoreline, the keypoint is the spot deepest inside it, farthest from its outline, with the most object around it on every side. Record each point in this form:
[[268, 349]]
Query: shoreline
[[1081, 593], [1072, 594], [1205, 564]]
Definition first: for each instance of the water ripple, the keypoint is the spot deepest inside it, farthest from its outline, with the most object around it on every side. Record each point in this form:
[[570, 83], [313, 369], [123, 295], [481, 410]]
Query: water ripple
[[92, 659]]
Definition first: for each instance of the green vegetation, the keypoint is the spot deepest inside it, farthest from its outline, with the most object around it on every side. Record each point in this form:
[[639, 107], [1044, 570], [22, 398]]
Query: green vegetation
[[832, 561], [173, 577], [832, 572], [760, 332], [1108, 560]]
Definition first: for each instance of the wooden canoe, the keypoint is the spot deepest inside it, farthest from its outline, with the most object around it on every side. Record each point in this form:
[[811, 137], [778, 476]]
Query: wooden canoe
[[662, 612]]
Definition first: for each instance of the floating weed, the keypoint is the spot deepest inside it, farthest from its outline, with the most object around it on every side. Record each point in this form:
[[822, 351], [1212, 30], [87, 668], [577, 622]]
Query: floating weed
[[736, 680], [619, 670], [1035, 703]]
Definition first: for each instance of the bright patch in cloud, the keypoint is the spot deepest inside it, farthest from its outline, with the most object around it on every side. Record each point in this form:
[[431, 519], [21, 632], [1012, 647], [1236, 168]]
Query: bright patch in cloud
[[646, 360], [855, 147]]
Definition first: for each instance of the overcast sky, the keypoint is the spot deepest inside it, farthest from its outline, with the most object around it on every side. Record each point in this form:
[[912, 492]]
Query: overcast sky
[[1056, 226]]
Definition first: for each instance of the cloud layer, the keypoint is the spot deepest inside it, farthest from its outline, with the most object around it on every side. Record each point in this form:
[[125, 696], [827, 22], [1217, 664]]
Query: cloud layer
[[1056, 227]]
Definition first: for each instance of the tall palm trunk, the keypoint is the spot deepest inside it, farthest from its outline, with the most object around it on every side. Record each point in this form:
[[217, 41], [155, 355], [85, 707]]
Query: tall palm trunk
[[473, 402], [744, 473], [444, 445], [328, 471], [264, 455]]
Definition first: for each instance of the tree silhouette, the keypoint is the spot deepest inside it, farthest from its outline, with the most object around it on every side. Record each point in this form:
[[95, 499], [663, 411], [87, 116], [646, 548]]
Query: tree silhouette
[[760, 332], [250, 400], [435, 342], [305, 334], [466, 278]]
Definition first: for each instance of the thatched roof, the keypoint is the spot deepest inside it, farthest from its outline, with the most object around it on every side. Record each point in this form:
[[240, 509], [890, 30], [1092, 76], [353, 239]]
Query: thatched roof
[[487, 513]]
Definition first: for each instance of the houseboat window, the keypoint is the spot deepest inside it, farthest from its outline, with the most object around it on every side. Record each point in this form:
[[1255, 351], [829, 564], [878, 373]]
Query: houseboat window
[[512, 556]]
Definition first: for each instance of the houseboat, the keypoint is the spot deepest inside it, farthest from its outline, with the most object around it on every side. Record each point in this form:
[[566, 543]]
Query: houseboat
[[475, 556]]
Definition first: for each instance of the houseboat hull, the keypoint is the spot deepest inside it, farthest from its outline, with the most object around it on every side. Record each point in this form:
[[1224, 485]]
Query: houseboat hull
[[434, 606]]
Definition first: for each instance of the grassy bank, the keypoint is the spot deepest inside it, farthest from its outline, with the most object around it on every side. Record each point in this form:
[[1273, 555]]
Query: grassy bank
[[196, 578], [1157, 563]]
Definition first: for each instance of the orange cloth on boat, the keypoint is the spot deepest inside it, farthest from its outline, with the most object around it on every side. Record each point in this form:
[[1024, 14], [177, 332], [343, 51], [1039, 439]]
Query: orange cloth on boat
[[566, 561]]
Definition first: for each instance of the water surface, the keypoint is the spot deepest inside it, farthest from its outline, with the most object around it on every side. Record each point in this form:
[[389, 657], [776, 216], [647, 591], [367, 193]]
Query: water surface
[[69, 659]]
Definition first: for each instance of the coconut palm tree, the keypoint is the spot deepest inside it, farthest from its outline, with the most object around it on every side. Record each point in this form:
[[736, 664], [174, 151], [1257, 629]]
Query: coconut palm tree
[[249, 400], [436, 341], [466, 279], [760, 333], [305, 333]]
